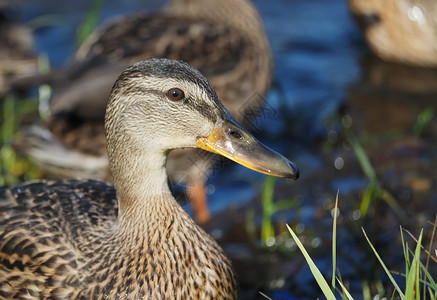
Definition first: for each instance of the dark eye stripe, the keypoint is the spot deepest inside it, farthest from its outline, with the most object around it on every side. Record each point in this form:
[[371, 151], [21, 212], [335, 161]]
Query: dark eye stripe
[[176, 94], [204, 109]]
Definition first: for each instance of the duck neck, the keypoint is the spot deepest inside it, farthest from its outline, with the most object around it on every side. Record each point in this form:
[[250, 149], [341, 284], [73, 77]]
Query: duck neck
[[139, 181]]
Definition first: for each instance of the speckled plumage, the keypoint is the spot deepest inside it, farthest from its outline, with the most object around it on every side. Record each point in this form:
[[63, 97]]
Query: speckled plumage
[[61, 240]]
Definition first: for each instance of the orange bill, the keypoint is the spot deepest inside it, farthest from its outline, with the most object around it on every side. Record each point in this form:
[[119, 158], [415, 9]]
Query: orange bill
[[231, 141]]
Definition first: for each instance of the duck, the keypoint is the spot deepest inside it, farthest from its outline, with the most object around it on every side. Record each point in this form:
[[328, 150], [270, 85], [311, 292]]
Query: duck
[[83, 238], [403, 32], [16, 54], [226, 41]]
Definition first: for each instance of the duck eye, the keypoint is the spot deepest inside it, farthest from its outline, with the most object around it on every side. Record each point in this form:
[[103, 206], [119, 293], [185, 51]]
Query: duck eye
[[175, 94]]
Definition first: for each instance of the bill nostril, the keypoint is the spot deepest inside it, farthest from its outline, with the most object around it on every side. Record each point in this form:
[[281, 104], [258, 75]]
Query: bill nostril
[[235, 134]]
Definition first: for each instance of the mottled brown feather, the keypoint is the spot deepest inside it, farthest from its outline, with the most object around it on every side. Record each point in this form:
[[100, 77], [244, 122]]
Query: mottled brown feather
[[59, 241]]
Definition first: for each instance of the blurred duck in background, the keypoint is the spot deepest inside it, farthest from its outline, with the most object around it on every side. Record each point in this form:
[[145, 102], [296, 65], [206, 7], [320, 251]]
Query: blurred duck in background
[[401, 31], [16, 50], [225, 40]]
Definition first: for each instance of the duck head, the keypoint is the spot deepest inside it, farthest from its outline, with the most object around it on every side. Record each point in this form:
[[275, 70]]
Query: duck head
[[158, 105]]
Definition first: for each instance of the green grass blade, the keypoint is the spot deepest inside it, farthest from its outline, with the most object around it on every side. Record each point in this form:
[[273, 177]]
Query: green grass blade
[[367, 295], [384, 267], [412, 277], [348, 296], [406, 253], [267, 230], [7, 128], [430, 282], [374, 188], [425, 268], [265, 296], [315, 271], [363, 159], [334, 242], [423, 120], [433, 297], [343, 295], [283, 204], [391, 201], [90, 22], [365, 201]]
